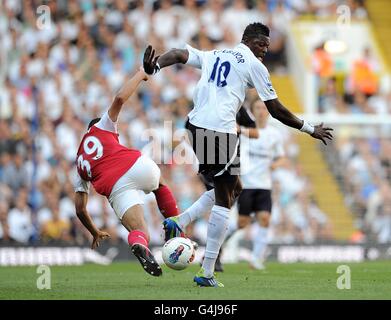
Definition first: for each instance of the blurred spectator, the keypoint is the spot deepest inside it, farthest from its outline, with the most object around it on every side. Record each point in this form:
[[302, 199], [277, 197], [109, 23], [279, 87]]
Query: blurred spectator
[[363, 77], [359, 88], [235, 19], [14, 173], [20, 220], [55, 228], [276, 52], [378, 213], [4, 227], [322, 63], [366, 184], [331, 100], [308, 220], [357, 8]]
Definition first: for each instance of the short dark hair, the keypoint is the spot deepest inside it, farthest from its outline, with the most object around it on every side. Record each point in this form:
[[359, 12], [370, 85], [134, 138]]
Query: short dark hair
[[92, 122], [255, 30]]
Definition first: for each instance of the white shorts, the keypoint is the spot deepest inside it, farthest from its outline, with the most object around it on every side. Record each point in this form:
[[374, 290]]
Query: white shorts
[[128, 191]]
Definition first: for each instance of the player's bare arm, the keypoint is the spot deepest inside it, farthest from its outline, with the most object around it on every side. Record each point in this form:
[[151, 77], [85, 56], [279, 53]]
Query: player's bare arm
[[81, 199], [172, 57], [169, 58], [278, 111]]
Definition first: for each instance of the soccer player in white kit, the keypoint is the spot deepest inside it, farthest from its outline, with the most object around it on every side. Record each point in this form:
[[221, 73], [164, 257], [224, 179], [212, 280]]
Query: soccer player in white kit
[[264, 154], [220, 92]]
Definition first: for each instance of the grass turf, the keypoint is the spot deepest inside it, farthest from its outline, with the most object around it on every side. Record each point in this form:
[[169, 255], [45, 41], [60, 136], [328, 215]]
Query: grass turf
[[369, 280]]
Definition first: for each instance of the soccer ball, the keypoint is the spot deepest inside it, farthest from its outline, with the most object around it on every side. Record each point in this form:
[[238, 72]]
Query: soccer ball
[[178, 253]]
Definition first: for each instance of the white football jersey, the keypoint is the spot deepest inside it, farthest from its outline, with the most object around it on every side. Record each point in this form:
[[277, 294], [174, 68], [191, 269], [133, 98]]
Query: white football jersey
[[256, 157], [225, 76]]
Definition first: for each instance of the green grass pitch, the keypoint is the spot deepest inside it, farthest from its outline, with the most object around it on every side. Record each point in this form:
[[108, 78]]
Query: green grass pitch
[[126, 280]]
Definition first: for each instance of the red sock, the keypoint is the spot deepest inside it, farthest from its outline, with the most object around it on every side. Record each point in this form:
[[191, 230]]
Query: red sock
[[166, 202], [137, 237]]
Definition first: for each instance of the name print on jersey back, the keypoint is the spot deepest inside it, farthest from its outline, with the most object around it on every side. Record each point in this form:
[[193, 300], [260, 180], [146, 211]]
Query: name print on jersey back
[[236, 54]]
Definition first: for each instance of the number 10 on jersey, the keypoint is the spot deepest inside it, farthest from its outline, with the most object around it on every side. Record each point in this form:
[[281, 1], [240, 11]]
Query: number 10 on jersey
[[222, 71]]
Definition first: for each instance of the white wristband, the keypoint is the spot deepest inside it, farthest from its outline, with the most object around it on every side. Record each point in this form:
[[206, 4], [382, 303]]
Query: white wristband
[[307, 128], [157, 68]]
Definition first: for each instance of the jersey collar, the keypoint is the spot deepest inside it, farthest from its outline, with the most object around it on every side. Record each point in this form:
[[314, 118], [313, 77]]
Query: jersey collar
[[243, 46]]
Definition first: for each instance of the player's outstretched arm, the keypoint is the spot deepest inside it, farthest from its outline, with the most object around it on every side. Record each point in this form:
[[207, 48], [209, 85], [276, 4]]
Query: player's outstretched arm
[[151, 66], [81, 199], [278, 111], [172, 57]]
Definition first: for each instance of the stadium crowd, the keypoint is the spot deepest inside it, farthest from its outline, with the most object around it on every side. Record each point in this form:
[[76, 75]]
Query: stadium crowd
[[363, 166], [57, 76], [360, 91]]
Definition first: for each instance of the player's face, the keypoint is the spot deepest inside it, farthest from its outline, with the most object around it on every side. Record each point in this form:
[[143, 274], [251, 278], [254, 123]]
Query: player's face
[[259, 46]]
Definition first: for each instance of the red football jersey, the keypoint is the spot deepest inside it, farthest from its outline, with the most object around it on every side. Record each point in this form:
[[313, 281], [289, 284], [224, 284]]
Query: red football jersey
[[102, 160]]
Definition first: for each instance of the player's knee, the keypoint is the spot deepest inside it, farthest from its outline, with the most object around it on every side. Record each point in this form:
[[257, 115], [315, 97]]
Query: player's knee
[[264, 219], [242, 225], [243, 222]]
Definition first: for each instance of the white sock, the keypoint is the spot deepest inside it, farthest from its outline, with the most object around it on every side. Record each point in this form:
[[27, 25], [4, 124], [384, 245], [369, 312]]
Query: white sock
[[259, 243], [217, 230], [200, 207]]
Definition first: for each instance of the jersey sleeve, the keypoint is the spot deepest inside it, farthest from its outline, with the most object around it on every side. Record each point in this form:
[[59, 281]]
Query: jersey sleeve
[[245, 118], [195, 57], [105, 123], [81, 185], [260, 80]]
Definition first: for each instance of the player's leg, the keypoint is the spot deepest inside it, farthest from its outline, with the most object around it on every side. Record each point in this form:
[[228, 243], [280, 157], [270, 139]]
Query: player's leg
[[202, 206], [260, 240], [146, 176], [225, 169], [219, 219], [173, 226], [245, 208], [236, 193], [138, 239], [165, 200], [126, 199], [205, 203], [263, 205]]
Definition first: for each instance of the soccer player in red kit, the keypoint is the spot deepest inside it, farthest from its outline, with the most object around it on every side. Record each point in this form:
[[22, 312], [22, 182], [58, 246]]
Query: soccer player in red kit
[[121, 174]]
